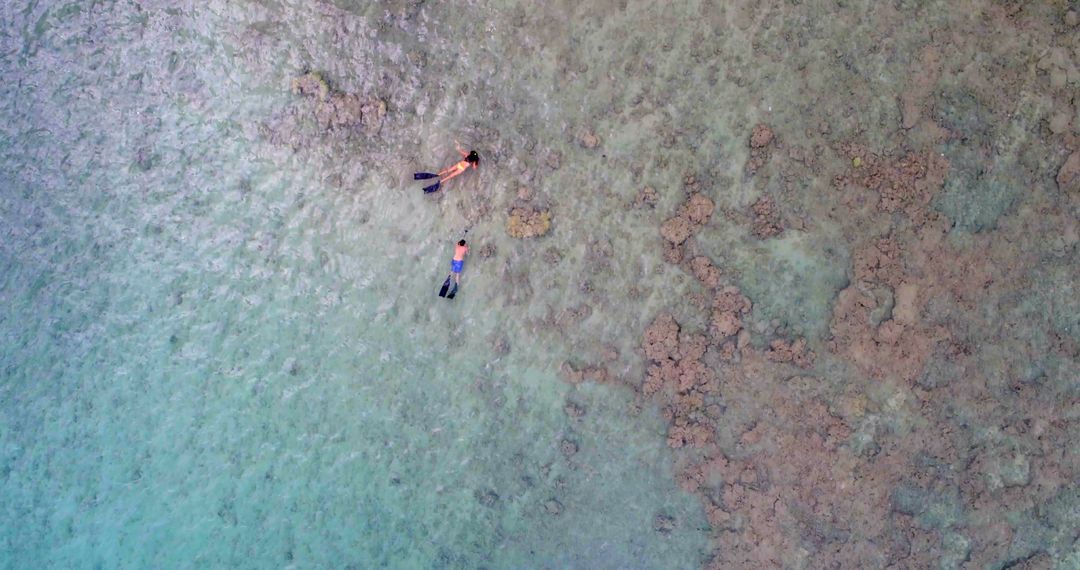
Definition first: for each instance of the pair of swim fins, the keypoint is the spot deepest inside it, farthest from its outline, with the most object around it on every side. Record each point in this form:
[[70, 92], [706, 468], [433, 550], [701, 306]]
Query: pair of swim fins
[[445, 286], [424, 176]]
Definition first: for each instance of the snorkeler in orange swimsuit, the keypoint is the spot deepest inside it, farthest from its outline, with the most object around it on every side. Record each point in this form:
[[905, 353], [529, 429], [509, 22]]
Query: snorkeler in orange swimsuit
[[468, 159]]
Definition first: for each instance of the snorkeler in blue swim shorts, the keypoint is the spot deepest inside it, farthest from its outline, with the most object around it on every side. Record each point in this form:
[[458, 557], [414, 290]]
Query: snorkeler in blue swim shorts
[[458, 262], [456, 265]]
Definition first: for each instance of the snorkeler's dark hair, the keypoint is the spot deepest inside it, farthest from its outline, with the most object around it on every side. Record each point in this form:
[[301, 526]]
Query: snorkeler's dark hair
[[473, 157], [462, 242]]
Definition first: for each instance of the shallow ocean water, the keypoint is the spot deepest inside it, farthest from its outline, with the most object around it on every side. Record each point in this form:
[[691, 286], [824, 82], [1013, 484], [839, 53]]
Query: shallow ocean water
[[215, 358], [220, 338]]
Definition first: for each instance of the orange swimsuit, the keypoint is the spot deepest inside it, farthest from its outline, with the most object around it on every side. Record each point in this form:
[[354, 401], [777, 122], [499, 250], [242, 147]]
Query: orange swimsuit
[[452, 171]]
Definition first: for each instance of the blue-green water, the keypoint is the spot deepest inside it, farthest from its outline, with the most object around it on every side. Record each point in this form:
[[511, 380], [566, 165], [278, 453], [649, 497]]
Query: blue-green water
[[220, 350], [221, 344]]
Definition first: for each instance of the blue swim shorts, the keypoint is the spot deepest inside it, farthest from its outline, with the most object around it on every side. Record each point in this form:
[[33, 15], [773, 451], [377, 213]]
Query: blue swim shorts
[[456, 265]]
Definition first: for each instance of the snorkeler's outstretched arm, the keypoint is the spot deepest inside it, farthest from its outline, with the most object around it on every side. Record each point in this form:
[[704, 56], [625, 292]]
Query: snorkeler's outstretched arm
[[459, 149]]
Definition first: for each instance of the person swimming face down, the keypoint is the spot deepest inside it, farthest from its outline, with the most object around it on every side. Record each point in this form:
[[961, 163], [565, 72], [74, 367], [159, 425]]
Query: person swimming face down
[[469, 160]]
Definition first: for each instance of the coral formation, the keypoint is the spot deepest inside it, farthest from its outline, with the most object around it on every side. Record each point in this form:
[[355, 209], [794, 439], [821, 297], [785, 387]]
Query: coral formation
[[589, 139], [336, 110], [528, 222], [705, 271], [647, 198], [311, 85], [677, 375], [795, 352], [761, 137], [692, 215], [728, 309], [766, 222], [903, 184], [761, 142], [576, 375]]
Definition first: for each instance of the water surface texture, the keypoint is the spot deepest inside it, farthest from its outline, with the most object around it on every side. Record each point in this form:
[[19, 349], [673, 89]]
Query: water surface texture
[[807, 298]]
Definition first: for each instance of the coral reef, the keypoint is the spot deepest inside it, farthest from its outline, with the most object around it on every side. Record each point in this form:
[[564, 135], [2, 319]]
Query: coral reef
[[870, 468]]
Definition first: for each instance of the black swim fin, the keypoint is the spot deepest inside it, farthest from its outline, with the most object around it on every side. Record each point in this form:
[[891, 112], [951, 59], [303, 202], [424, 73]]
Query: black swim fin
[[445, 286], [452, 292], [433, 188], [423, 175]]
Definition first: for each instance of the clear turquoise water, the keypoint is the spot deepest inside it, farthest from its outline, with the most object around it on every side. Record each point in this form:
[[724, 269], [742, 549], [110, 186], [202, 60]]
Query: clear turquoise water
[[221, 350], [220, 343]]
